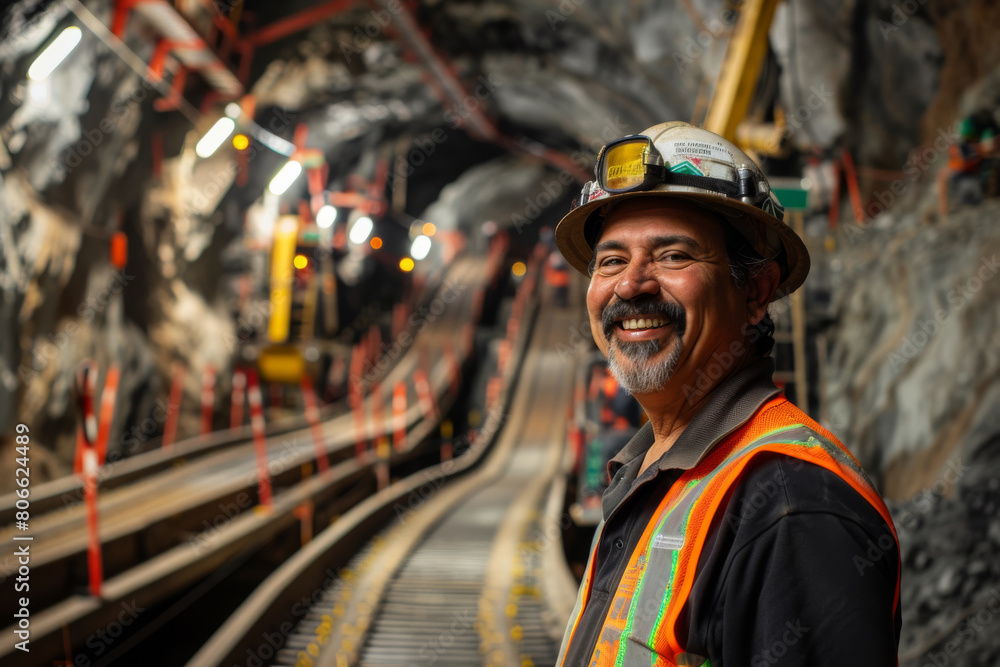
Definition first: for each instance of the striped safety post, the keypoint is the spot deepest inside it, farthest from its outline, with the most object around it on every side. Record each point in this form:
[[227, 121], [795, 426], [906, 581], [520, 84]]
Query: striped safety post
[[259, 439], [108, 397], [399, 416], [312, 416], [424, 394], [239, 396], [207, 398], [174, 406], [86, 386]]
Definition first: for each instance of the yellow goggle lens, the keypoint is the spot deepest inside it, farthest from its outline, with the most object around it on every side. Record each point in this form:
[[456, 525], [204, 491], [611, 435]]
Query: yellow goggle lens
[[623, 165]]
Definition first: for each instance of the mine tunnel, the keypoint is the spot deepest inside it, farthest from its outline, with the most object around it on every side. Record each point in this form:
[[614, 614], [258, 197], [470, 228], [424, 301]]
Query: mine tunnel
[[467, 332]]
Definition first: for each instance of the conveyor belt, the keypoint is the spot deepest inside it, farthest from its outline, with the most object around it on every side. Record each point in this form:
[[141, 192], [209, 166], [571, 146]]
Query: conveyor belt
[[456, 581]]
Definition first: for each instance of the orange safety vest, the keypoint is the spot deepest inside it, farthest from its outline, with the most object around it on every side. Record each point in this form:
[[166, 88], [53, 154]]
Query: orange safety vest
[[667, 554]]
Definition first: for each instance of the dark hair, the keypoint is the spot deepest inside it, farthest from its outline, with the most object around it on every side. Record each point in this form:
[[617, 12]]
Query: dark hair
[[746, 263]]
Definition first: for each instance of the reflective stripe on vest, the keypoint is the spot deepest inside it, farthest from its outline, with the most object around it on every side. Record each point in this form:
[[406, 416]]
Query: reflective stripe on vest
[[671, 544]]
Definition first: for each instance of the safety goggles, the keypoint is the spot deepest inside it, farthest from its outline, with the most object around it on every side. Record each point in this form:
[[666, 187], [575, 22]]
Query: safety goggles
[[633, 164]]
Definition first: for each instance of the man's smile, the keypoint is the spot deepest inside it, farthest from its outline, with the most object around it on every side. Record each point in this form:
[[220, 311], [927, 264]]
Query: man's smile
[[647, 322]]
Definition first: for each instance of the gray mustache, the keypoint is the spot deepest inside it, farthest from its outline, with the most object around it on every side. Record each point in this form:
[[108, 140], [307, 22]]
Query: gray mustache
[[620, 310]]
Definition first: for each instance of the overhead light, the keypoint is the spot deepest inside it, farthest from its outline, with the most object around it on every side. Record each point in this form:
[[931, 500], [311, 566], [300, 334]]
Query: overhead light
[[300, 262], [519, 269], [362, 228], [326, 216], [420, 247], [55, 53], [233, 110], [429, 228], [285, 177], [214, 137], [241, 142], [406, 264], [375, 243]]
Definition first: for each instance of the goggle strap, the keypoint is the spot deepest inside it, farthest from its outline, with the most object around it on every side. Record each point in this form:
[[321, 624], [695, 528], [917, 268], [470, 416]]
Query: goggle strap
[[719, 185]]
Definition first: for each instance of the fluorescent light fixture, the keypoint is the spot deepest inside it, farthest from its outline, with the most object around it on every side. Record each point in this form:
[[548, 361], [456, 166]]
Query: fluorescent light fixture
[[326, 216], [362, 228], [55, 53], [233, 110], [420, 247], [214, 137], [284, 178]]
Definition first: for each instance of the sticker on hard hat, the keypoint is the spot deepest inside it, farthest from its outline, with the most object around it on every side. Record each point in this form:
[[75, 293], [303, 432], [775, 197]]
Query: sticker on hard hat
[[699, 149], [596, 193]]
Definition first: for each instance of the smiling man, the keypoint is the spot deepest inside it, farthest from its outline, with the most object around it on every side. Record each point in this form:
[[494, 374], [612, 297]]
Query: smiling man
[[736, 530]]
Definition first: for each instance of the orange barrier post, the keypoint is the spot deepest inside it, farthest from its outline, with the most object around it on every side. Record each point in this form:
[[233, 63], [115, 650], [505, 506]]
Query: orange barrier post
[[304, 513], [259, 440], [207, 398], [86, 385], [312, 416], [399, 416], [852, 187], [174, 407], [424, 393], [239, 395], [108, 397]]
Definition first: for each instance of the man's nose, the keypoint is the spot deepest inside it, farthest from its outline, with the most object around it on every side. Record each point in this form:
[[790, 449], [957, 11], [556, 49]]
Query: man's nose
[[636, 279]]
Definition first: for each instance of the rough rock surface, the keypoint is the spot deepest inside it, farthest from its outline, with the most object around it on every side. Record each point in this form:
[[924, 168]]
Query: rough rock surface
[[914, 363], [950, 539]]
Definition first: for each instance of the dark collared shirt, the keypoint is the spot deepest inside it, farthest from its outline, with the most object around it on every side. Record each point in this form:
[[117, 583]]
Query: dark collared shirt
[[799, 570]]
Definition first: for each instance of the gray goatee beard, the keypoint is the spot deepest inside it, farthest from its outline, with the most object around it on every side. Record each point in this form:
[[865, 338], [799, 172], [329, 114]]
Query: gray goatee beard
[[635, 373]]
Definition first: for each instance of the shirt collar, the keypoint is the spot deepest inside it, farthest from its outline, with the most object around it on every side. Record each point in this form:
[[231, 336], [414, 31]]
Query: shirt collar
[[728, 407]]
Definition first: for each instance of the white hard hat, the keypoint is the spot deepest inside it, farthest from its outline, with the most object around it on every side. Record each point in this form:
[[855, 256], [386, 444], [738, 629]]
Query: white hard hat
[[681, 161]]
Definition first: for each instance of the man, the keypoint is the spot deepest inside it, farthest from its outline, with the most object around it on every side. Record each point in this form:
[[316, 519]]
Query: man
[[737, 531]]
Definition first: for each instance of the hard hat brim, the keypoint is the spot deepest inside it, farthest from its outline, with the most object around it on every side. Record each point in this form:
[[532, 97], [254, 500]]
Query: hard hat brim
[[572, 243]]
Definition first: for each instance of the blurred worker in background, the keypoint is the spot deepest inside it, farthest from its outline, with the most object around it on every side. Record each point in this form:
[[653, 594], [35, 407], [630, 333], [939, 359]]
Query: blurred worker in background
[[736, 530], [557, 278]]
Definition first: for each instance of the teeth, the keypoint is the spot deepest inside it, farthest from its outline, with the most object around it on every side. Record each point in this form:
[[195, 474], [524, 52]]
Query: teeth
[[642, 323]]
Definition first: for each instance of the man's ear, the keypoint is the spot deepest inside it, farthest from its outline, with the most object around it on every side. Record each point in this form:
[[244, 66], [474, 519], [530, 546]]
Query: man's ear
[[760, 289]]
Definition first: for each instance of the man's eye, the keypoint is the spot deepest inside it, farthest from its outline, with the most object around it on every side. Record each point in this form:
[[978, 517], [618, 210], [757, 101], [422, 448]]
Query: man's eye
[[611, 265], [674, 256]]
